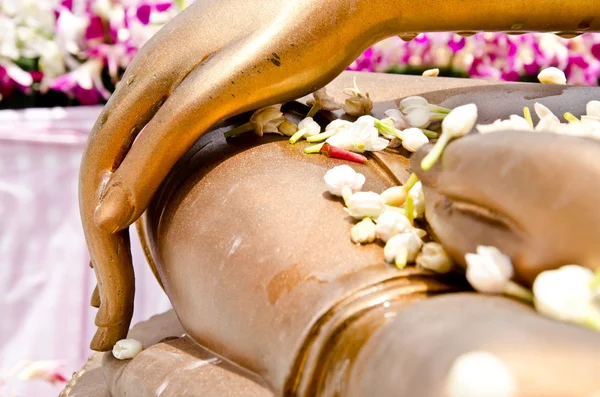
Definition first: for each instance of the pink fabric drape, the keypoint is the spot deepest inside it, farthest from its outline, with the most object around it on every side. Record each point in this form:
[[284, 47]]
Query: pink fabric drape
[[45, 281]]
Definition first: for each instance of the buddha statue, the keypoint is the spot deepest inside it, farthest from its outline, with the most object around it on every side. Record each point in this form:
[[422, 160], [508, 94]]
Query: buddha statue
[[254, 254]]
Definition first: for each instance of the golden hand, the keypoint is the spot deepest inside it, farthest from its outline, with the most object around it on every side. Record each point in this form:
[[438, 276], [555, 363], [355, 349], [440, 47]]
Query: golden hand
[[220, 58], [532, 195]]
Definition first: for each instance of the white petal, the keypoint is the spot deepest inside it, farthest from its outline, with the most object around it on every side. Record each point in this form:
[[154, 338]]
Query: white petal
[[418, 117], [460, 121], [337, 124], [565, 293], [408, 240], [489, 270], [391, 223], [126, 349], [552, 75], [365, 204], [413, 139], [479, 374], [413, 101], [542, 111], [343, 175], [593, 108]]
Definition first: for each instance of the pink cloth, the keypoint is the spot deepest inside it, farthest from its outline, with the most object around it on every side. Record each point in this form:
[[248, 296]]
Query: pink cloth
[[45, 281]]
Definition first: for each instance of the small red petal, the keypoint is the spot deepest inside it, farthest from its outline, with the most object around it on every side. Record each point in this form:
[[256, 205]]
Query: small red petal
[[342, 154]]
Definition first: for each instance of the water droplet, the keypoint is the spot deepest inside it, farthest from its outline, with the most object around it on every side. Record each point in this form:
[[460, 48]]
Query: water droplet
[[130, 80]]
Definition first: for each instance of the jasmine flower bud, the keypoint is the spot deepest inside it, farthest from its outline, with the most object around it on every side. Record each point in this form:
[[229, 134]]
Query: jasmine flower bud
[[433, 257], [343, 181], [363, 232], [391, 223], [365, 204], [552, 75], [126, 349]]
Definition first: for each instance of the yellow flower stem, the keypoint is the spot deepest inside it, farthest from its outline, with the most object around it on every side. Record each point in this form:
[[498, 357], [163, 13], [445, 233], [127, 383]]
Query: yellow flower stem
[[313, 149], [410, 210], [430, 134], [437, 116], [412, 181], [570, 118], [386, 130], [527, 116], [240, 129], [517, 291], [320, 137], [313, 110], [401, 258], [438, 109], [297, 136], [435, 152], [346, 194], [595, 284]]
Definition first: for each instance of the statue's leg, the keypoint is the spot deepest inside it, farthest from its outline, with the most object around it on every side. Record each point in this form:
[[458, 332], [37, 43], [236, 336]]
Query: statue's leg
[[412, 355]]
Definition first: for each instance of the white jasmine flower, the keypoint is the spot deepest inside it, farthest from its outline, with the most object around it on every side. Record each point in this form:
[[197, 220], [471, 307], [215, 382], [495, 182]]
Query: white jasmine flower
[[419, 101], [361, 136], [402, 248], [547, 123], [126, 349], [413, 139], [514, 123], [575, 129], [413, 101], [431, 72], [307, 127], [386, 128], [398, 118], [593, 108], [394, 196], [479, 374], [458, 123], [338, 125], [542, 111], [365, 204], [566, 294], [363, 232], [489, 270], [267, 120], [435, 258], [288, 128], [46, 370], [418, 116], [343, 181], [321, 100], [335, 127], [391, 223], [552, 75], [357, 104], [416, 192]]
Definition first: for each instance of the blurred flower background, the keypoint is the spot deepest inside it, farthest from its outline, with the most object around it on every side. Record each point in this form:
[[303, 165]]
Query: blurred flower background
[[73, 52]]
